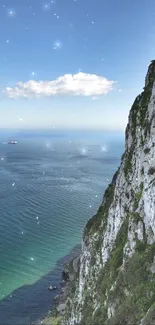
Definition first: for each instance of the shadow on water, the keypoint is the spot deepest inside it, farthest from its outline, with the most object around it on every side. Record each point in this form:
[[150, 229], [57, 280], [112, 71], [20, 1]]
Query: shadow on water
[[31, 303]]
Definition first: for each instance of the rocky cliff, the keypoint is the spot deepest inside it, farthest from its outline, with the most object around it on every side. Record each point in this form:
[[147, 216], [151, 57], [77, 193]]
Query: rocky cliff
[[116, 279]]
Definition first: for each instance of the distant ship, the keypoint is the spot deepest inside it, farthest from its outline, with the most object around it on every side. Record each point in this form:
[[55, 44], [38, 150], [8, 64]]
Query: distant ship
[[12, 142]]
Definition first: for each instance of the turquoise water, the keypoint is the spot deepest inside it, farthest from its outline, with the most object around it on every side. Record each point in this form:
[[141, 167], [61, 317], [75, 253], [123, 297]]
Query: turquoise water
[[50, 185]]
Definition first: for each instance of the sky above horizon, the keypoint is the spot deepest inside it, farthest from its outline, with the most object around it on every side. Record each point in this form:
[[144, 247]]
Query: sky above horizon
[[73, 63]]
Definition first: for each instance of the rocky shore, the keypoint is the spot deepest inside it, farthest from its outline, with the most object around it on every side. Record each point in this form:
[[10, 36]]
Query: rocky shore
[[69, 274]]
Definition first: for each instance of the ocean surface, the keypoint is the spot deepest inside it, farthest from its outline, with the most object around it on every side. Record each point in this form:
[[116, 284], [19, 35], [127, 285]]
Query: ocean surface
[[51, 183]]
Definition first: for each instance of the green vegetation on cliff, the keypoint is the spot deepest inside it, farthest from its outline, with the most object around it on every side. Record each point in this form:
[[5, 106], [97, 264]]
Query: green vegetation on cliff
[[51, 320], [94, 223], [139, 111], [130, 290]]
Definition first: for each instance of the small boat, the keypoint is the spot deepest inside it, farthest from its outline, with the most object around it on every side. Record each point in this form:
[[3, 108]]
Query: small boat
[[12, 142], [51, 288]]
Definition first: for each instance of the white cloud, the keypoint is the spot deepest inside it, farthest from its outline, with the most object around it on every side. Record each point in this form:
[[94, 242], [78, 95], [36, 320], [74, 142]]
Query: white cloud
[[80, 84]]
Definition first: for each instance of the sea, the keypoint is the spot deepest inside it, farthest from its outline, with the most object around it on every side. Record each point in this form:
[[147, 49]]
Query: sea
[[51, 183]]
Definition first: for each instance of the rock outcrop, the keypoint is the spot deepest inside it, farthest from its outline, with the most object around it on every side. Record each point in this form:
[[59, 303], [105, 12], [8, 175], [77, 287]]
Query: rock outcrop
[[116, 279]]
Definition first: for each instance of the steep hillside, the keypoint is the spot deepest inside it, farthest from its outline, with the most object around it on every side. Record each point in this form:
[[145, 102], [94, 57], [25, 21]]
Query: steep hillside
[[116, 280]]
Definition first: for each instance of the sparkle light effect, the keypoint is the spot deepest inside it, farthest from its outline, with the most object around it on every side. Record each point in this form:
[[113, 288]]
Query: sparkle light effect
[[11, 12], [70, 25], [83, 151], [103, 149], [46, 6], [20, 119], [57, 45]]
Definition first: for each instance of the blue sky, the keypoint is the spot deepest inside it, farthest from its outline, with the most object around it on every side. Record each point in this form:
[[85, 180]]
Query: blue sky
[[73, 64]]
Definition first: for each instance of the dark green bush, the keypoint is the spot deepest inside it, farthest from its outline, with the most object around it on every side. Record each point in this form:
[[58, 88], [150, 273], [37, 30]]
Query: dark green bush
[[151, 170], [146, 150]]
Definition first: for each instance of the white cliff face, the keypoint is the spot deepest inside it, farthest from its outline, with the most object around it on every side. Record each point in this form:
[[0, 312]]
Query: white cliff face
[[133, 199]]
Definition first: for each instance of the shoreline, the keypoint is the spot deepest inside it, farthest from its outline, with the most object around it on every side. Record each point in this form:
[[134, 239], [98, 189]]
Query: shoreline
[[69, 272], [59, 296]]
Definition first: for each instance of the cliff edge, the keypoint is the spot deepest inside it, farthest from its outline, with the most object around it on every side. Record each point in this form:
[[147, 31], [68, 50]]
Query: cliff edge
[[116, 278]]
